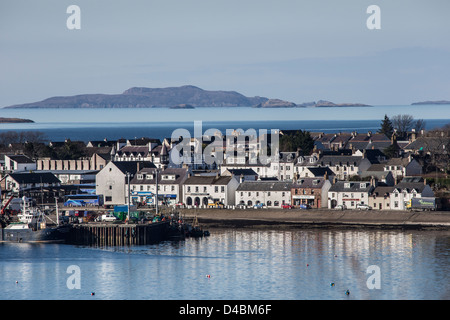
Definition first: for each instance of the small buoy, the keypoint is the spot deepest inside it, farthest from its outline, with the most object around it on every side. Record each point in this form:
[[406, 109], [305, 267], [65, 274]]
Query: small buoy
[[347, 292], [307, 265], [17, 281], [332, 284], [92, 293], [208, 276]]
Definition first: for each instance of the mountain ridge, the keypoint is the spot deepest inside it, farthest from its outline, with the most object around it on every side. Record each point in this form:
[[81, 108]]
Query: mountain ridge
[[170, 97]]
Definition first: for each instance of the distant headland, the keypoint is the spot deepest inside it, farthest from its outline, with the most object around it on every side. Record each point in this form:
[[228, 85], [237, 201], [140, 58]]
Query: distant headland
[[15, 120], [184, 97], [431, 102]]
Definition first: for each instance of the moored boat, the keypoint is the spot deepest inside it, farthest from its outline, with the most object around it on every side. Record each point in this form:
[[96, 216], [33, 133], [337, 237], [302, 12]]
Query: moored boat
[[33, 227]]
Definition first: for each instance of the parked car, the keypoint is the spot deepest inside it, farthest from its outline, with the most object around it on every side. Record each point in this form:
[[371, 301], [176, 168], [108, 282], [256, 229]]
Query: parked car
[[241, 206], [340, 207], [305, 206], [361, 206], [108, 217], [286, 206]]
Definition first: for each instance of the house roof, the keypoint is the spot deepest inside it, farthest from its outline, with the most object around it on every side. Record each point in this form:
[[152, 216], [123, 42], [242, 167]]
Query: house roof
[[340, 160], [265, 186], [132, 166], [354, 186], [179, 173], [320, 171], [34, 177], [20, 158], [208, 180], [309, 183], [133, 150], [245, 172]]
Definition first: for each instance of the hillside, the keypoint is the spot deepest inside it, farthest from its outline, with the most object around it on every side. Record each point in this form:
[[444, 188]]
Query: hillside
[[150, 98]]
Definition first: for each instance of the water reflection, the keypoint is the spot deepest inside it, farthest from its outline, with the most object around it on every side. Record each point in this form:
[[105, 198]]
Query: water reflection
[[240, 264]]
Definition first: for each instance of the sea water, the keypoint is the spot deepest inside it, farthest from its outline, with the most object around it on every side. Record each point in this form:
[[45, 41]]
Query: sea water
[[238, 264]]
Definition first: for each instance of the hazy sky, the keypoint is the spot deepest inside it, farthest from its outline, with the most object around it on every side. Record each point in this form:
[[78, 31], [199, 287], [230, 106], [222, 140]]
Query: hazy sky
[[294, 50]]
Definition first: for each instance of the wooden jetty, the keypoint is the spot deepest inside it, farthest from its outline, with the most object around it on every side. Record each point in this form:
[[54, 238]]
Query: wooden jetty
[[110, 234]]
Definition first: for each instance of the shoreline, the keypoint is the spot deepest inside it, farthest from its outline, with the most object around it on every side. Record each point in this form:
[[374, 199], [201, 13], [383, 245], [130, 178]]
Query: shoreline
[[319, 218]]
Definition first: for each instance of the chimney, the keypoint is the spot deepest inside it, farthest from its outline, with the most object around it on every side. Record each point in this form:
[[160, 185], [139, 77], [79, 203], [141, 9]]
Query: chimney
[[425, 182], [241, 178]]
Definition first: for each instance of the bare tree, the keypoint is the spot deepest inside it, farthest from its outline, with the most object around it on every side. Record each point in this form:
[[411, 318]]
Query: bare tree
[[403, 123]]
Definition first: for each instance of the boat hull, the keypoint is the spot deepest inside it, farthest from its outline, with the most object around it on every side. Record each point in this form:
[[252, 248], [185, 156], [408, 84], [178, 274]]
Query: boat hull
[[46, 235]]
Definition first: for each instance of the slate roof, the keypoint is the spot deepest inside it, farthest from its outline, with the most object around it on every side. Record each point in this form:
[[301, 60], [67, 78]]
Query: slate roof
[[34, 177], [20, 158], [180, 174], [208, 180], [355, 186], [265, 186], [340, 160], [132, 166], [309, 183]]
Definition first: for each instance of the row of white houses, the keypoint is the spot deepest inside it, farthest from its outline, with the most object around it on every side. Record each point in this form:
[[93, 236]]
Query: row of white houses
[[232, 188]]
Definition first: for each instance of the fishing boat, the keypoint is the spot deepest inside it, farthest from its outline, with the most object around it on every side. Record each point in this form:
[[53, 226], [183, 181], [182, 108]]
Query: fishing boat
[[32, 226]]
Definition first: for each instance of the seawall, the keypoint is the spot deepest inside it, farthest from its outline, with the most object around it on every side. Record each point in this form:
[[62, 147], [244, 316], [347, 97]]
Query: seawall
[[278, 218]]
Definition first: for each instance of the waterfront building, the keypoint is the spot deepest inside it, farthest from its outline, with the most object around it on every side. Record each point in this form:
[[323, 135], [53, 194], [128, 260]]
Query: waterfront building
[[311, 191], [206, 189], [350, 193], [272, 194], [408, 188], [112, 180], [170, 180], [22, 182]]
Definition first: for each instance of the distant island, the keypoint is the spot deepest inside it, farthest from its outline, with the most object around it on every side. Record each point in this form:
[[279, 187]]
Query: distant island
[[183, 106], [277, 103], [184, 97], [431, 102], [15, 120]]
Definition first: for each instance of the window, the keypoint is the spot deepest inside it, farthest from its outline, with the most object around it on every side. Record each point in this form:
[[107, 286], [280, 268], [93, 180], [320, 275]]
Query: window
[[196, 189], [222, 189], [108, 198], [216, 189], [204, 189], [257, 193], [189, 189], [110, 187]]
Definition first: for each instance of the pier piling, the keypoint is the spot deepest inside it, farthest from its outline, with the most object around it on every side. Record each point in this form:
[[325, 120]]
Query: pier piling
[[118, 234]]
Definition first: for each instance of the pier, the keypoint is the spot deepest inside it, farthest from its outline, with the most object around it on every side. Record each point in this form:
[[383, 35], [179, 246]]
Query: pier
[[108, 234]]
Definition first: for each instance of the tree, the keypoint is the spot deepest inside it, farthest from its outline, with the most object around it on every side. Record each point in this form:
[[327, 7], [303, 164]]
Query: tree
[[297, 140], [403, 123], [386, 127]]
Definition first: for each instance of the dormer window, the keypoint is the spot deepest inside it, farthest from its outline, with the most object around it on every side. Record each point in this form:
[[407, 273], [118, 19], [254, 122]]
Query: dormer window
[[362, 185], [149, 177], [140, 176], [347, 185]]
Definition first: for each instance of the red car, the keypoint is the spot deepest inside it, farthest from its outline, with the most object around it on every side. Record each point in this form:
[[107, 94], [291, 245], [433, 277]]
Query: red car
[[286, 206]]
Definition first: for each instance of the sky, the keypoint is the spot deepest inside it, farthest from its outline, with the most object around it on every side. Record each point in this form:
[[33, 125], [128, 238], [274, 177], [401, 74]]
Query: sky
[[294, 50]]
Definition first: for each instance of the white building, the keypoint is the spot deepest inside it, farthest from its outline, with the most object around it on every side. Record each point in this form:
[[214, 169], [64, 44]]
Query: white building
[[20, 162], [112, 180], [349, 193], [272, 194], [170, 180], [204, 190]]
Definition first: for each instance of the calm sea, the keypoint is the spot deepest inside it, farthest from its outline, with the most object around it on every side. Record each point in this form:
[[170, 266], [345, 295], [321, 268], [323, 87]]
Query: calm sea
[[98, 124], [241, 264]]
